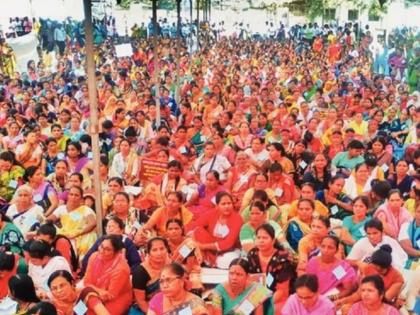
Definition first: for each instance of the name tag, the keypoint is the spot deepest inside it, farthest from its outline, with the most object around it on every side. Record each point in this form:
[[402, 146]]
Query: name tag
[[334, 210], [221, 230], [37, 198], [246, 307], [385, 167], [136, 225], [339, 272], [278, 192], [228, 128], [362, 231], [269, 280], [303, 164], [185, 190], [108, 141], [185, 251], [13, 184], [186, 311], [213, 200], [243, 179], [61, 156], [75, 216], [80, 308], [90, 155], [182, 150]]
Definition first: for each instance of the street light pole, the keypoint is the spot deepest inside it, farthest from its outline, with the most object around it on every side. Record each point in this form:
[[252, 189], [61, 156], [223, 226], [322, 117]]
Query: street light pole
[[93, 106]]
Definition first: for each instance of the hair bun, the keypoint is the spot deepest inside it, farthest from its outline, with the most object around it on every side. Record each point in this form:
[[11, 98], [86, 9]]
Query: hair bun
[[386, 248]]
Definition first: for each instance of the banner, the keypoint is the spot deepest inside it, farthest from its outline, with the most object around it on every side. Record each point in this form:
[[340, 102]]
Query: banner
[[124, 50], [25, 50], [150, 168]]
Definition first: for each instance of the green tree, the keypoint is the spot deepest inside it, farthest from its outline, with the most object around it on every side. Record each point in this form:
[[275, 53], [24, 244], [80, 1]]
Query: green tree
[[316, 8], [311, 8]]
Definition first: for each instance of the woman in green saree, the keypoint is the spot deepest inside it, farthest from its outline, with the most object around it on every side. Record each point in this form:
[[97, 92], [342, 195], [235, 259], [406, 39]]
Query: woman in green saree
[[11, 239], [240, 295], [10, 175]]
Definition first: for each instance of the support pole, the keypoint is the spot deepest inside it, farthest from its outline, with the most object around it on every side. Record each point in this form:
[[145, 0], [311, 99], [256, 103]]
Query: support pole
[[178, 45], [191, 26], [156, 62], [198, 24], [93, 106]]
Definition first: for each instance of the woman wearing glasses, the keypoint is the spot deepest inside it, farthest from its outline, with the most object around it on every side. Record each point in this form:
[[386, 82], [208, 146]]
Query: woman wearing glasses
[[109, 275], [173, 298], [65, 295]]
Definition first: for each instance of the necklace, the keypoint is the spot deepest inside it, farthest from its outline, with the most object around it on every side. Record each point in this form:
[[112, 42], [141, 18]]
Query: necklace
[[175, 302]]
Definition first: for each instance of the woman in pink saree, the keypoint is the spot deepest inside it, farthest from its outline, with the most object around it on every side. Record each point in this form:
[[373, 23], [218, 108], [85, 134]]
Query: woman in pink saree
[[392, 214], [336, 274]]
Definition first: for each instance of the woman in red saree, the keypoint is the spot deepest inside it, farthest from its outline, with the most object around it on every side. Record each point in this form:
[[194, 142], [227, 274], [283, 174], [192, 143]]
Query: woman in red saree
[[108, 274], [8, 268], [241, 177], [217, 232]]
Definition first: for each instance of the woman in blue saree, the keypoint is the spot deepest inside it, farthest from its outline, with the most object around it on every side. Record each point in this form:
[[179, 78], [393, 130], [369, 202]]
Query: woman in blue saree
[[409, 239]]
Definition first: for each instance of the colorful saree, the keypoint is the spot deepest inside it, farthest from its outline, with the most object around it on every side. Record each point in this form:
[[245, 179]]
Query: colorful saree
[[295, 230], [73, 222], [193, 306], [414, 235], [253, 296], [189, 255]]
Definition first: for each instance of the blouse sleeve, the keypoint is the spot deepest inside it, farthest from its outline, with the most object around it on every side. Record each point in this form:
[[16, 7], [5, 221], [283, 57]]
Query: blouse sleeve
[[132, 255], [140, 278]]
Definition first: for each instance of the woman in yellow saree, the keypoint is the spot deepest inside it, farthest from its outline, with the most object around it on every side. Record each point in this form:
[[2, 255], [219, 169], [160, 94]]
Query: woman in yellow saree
[[78, 221]]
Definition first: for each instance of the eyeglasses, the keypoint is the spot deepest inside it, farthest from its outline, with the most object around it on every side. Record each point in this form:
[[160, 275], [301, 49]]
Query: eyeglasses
[[58, 287], [105, 249], [168, 281]]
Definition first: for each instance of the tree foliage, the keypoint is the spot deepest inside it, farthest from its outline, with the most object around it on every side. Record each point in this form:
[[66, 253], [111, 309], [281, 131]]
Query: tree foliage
[[316, 8], [162, 4]]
